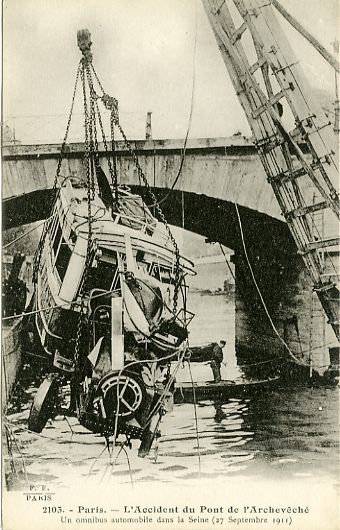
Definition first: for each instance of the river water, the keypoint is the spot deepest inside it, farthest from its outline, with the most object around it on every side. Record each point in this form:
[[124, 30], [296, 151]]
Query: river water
[[287, 435]]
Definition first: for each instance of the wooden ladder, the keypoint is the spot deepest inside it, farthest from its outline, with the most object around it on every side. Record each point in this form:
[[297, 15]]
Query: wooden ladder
[[299, 160]]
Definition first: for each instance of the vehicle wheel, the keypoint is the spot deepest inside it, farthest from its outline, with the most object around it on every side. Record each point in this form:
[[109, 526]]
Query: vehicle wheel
[[44, 404], [123, 395]]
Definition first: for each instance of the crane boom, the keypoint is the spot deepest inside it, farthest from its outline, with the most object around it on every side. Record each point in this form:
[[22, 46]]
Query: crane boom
[[292, 134], [317, 45]]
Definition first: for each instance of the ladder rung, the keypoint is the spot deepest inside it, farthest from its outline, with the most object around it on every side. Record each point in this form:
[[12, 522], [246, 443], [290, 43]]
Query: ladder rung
[[257, 65], [322, 243], [287, 176], [300, 212], [273, 100], [324, 288], [238, 33], [268, 144]]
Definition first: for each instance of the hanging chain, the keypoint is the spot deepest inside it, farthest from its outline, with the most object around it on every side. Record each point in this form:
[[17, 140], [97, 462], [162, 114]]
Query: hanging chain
[[113, 149], [38, 254], [160, 214], [79, 334], [90, 131], [111, 104], [93, 105], [111, 165], [89, 143]]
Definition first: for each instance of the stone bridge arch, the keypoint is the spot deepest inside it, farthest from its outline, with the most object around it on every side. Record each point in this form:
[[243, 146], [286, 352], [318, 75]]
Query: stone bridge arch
[[215, 175]]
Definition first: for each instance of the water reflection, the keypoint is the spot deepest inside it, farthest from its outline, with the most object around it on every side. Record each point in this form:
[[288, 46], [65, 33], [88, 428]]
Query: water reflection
[[214, 447], [283, 432]]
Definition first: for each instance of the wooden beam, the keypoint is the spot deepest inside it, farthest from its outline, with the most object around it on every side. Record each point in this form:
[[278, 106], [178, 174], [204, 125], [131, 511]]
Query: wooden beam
[[325, 54]]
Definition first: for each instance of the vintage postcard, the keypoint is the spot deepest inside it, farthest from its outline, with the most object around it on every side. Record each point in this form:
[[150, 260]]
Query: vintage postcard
[[170, 264]]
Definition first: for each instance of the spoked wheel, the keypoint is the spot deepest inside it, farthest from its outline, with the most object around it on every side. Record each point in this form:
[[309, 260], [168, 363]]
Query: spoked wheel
[[44, 404], [122, 395]]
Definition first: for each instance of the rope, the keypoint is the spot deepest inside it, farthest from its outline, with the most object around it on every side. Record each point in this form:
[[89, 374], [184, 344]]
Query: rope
[[190, 117], [227, 262], [29, 231], [196, 421], [261, 297]]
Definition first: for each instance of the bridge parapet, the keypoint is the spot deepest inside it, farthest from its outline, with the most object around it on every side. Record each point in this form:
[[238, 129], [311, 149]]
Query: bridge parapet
[[225, 168]]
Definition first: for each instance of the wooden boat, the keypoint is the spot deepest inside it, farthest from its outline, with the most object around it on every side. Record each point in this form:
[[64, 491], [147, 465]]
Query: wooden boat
[[108, 308], [188, 392]]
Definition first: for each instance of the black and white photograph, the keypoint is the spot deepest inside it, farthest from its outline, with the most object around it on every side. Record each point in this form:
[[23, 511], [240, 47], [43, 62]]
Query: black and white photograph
[[170, 264]]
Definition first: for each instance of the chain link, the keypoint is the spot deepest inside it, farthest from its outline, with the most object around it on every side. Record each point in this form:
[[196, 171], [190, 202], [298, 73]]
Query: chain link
[[38, 254], [160, 214], [79, 333], [111, 104], [113, 147], [90, 130], [90, 133]]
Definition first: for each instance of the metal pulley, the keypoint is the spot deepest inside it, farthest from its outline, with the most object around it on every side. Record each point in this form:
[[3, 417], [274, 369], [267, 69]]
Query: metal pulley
[[85, 43]]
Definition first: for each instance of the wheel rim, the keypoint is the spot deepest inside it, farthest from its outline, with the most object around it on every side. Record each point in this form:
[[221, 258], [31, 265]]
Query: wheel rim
[[122, 396]]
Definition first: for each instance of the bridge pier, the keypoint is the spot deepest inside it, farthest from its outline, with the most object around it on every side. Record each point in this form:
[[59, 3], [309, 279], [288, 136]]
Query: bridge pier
[[215, 175], [285, 321]]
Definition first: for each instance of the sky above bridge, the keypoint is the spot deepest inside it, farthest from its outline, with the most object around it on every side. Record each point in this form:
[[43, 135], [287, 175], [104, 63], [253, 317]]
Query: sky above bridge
[[152, 55]]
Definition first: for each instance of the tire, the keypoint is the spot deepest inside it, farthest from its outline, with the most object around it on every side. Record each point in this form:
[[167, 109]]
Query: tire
[[44, 404], [133, 400]]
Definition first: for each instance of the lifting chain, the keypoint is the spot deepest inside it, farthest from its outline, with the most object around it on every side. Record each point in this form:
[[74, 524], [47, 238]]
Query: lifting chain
[[111, 104], [91, 110], [38, 254], [112, 166], [89, 144], [113, 148], [79, 334], [160, 215], [91, 161], [115, 119]]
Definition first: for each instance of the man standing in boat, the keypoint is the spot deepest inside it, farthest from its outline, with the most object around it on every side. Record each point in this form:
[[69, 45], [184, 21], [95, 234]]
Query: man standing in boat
[[216, 360]]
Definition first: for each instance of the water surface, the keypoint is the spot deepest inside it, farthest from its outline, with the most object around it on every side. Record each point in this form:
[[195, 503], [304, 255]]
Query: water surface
[[286, 433]]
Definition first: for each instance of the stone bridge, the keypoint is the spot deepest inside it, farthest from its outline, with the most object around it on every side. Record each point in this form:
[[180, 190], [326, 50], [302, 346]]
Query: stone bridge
[[225, 168], [215, 175]]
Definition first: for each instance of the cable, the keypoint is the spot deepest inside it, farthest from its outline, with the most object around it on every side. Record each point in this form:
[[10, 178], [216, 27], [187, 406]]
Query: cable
[[227, 262], [196, 421], [190, 117], [29, 231], [261, 297]]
